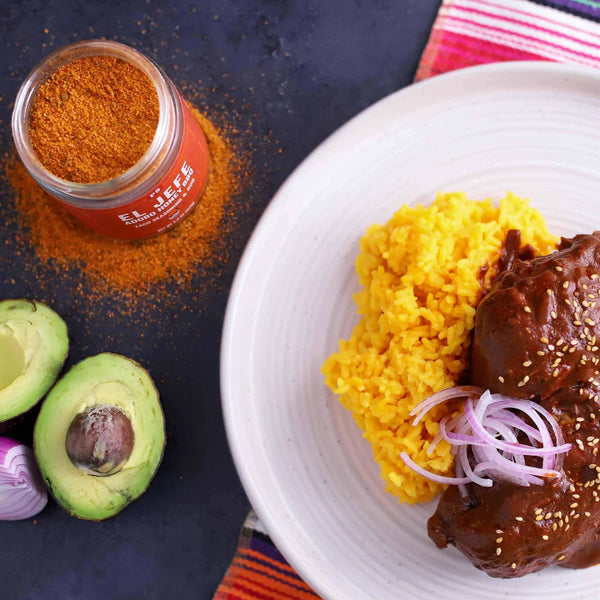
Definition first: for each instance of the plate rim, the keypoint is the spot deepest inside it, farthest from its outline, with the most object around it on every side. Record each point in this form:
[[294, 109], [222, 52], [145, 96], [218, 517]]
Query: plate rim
[[295, 557]]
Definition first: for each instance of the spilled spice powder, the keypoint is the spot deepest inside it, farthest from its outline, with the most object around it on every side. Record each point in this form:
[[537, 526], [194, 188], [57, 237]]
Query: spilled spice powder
[[133, 268]]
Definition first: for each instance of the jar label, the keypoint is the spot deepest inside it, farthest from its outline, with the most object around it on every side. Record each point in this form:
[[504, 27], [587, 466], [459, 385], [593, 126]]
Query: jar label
[[167, 203]]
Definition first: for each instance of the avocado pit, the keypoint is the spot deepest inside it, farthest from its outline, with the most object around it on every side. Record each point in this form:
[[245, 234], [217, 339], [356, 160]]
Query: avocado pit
[[100, 440], [12, 360]]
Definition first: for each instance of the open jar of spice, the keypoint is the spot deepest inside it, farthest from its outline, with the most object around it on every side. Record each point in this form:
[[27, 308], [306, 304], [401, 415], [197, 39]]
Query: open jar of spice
[[105, 132]]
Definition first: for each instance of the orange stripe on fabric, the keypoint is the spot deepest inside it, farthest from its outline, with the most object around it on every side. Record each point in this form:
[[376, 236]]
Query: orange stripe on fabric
[[271, 561], [252, 564], [259, 589], [237, 592], [261, 582]]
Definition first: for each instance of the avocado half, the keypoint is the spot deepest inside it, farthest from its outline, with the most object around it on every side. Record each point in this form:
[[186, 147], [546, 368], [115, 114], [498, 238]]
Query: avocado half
[[106, 406], [33, 347]]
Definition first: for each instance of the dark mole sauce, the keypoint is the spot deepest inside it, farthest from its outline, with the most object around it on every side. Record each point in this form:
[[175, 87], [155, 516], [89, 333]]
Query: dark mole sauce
[[537, 336]]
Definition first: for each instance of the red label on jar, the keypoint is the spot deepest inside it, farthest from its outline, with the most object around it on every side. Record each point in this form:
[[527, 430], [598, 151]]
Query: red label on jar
[[167, 203]]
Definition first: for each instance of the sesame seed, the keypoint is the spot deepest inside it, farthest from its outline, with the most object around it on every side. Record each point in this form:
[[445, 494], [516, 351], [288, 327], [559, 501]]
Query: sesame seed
[[555, 373], [526, 379], [573, 342], [544, 340], [548, 516], [499, 540], [560, 342], [576, 496], [498, 551], [572, 487], [545, 537], [594, 276], [518, 518], [554, 526], [549, 292], [577, 323], [590, 322], [561, 557], [513, 566], [567, 528], [581, 420], [499, 531], [586, 513], [561, 523], [553, 314], [559, 269], [527, 363], [501, 379], [538, 511], [539, 517], [566, 285], [540, 353], [551, 347], [520, 384], [527, 309]]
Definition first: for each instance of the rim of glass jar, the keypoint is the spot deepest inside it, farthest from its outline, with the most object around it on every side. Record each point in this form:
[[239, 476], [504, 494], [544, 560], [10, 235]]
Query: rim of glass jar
[[122, 189]]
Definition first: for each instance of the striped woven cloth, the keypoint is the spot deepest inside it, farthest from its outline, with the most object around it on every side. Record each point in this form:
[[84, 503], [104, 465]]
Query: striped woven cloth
[[465, 33]]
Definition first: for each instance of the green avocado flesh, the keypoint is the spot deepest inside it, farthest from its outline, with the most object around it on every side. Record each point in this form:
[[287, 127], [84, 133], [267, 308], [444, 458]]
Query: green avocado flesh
[[33, 347], [98, 382]]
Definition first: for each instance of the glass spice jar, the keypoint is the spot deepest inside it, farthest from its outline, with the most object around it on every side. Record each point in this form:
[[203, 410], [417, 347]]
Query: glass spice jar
[[154, 194]]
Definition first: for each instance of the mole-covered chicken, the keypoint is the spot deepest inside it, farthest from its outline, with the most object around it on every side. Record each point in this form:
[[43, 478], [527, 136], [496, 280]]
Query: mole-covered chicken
[[537, 337]]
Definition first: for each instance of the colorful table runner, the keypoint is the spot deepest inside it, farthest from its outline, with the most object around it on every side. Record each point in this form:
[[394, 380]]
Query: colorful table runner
[[465, 33]]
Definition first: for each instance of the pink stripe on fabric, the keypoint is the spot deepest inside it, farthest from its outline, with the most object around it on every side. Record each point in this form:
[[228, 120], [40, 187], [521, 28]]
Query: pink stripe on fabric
[[526, 24], [507, 53], [561, 49], [522, 44], [451, 51], [538, 15]]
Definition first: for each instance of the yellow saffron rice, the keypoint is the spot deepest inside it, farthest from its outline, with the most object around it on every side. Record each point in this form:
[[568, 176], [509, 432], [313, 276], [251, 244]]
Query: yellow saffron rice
[[421, 278]]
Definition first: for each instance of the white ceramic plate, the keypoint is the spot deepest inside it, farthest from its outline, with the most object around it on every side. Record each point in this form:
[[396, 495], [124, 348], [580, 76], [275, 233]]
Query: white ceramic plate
[[532, 128]]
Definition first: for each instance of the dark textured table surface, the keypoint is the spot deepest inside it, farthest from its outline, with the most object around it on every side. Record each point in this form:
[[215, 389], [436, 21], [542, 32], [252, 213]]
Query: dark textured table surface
[[290, 72]]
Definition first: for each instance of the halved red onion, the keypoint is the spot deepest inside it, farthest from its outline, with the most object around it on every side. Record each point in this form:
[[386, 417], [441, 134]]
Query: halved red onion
[[484, 439], [22, 491]]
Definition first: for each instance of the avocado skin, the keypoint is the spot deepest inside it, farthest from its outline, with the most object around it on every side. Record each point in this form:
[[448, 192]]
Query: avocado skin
[[20, 424], [70, 510]]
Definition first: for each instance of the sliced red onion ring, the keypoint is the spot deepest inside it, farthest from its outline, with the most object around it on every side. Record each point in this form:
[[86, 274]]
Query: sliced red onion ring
[[22, 491], [485, 439], [440, 397], [439, 478]]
